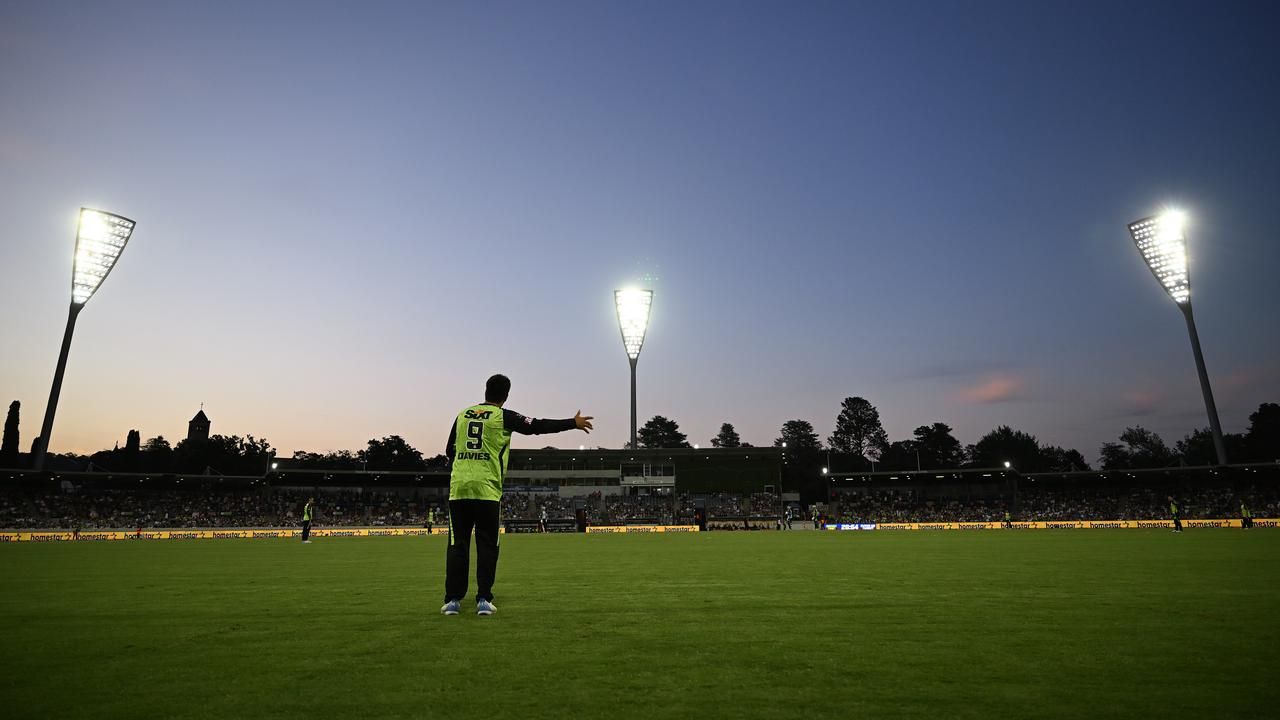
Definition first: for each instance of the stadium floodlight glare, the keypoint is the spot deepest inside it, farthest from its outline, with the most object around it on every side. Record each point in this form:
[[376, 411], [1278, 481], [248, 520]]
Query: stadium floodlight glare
[[1007, 464], [1162, 241], [633, 306], [100, 239]]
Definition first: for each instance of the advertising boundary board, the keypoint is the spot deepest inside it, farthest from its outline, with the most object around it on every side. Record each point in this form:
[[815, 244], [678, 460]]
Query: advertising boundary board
[[1054, 525], [293, 533], [641, 528]]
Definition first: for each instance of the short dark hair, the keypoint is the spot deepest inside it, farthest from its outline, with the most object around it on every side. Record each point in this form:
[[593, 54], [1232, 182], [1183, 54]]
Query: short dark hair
[[497, 388]]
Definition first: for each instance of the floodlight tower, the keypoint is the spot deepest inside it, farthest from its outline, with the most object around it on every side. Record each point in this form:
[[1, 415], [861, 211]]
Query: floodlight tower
[[1162, 241], [100, 239], [633, 319]]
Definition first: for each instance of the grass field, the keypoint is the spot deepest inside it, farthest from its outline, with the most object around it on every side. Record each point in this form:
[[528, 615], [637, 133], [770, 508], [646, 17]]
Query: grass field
[[959, 624]]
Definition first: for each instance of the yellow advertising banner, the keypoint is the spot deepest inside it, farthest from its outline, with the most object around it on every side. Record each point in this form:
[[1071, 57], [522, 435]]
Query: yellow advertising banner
[[290, 533], [642, 528]]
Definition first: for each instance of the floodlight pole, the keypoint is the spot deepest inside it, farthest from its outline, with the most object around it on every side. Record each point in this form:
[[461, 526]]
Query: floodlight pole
[[1210, 407], [47, 429], [633, 361]]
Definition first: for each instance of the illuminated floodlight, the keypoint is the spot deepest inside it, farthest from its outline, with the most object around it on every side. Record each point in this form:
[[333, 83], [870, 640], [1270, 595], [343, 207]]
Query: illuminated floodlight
[[100, 239], [1162, 241], [633, 317], [1007, 464], [1163, 244], [633, 305]]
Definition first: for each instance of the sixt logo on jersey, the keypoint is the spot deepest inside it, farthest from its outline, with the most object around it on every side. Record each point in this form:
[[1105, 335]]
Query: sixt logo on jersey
[[477, 414]]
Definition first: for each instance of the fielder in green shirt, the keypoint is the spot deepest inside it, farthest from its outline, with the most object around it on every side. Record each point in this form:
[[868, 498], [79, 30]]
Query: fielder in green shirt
[[307, 511], [477, 447], [1177, 517]]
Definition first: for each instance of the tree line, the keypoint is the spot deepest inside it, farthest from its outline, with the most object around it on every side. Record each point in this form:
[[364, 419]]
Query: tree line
[[860, 437], [219, 455]]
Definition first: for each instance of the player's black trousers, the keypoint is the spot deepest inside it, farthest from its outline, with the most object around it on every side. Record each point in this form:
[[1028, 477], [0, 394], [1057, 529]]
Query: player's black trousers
[[306, 530], [464, 516]]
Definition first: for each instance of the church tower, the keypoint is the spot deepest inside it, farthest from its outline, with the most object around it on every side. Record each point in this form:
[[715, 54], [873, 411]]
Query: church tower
[[198, 428]]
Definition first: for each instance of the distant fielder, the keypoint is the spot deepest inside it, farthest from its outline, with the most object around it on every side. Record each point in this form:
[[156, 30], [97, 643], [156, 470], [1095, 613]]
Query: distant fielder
[[307, 511], [478, 445]]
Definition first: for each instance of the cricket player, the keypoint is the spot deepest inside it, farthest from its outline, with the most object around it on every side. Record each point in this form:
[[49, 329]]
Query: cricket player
[[1177, 518], [478, 445], [1246, 516], [307, 511]]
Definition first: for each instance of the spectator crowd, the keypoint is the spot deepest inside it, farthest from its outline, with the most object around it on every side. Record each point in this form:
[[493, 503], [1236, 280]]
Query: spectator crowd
[[278, 507]]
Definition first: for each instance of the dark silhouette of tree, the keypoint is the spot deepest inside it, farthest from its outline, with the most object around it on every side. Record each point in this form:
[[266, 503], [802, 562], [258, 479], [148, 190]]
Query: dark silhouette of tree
[[1138, 448], [1056, 459], [1197, 448], [1004, 444], [858, 429], [340, 460], [900, 455], [133, 442], [157, 455], [938, 448], [660, 432], [9, 446], [799, 436], [223, 454], [727, 438], [1262, 441], [392, 453]]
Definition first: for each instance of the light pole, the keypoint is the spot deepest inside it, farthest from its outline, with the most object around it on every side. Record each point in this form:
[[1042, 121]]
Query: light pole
[[100, 239], [1162, 241], [633, 319]]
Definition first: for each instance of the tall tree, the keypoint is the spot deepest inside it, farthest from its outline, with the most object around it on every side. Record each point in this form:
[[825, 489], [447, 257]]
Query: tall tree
[[660, 432], [1056, 459], [1004, 444], [858, 429], [900, 455], [392, 453], [1138, 448], [1197, 448], [799, 436], [133, 442], [727, 438], [938, 447], [9, 446], [1263, 438]]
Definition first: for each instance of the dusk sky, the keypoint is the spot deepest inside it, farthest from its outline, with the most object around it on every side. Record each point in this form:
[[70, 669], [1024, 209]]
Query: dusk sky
[[350, 214]]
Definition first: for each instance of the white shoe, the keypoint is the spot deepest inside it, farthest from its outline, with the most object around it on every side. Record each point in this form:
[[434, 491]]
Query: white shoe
[[484, 607], [451, 608], [306, 542]]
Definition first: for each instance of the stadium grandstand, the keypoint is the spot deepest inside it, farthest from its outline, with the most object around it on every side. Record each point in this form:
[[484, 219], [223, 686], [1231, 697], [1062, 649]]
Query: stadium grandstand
[[567, 491]]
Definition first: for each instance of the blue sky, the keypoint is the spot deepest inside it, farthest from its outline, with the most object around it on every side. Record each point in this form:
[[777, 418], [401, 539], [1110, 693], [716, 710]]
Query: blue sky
[[350, 214]]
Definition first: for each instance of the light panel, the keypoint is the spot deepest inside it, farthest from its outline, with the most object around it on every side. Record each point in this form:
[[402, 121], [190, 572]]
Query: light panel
[[633, 317], [100, 238], [1163, 245]]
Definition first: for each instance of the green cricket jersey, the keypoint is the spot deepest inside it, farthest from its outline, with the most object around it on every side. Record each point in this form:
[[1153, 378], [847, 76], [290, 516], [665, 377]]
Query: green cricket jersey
[[478, 445], [306, 512]]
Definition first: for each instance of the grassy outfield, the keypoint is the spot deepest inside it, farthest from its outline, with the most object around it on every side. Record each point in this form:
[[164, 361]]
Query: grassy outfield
[[1065, 623]]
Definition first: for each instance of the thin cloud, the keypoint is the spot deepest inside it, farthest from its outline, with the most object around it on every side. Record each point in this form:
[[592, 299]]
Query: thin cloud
[[1139, 403], [997, 388]]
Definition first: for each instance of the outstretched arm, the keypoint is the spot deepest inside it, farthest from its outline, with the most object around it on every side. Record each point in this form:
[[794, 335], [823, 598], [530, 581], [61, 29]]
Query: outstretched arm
[[517, 423]]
